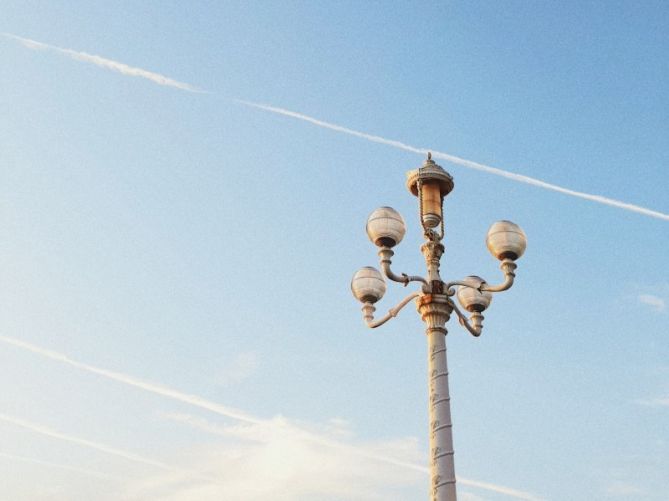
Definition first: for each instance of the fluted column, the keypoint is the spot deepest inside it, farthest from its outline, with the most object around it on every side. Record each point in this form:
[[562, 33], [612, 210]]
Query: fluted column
[[435, 311]]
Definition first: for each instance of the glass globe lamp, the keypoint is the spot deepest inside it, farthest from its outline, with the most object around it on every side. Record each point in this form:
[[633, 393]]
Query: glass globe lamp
[[368, 285], [506, 240], [471, 298], [385, 227]]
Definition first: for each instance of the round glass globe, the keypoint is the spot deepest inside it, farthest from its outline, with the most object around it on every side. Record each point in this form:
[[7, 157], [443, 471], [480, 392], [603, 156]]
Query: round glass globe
[[471, 298], [368, 285], [506, 240], [385, 227]]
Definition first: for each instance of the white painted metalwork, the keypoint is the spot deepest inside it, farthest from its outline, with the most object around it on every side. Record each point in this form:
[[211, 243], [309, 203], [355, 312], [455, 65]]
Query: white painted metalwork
[[386, 228]]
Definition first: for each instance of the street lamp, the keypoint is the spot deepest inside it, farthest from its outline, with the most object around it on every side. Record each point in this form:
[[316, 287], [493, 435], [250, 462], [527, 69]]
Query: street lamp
[[386, 228]]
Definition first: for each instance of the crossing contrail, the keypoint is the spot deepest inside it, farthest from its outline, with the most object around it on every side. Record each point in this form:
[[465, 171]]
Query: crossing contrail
[[196, 401], [212, 407], [107, 449], [43, 430], [83, 471], [469, 164], [103, 62], [458, 161], [137, 383]]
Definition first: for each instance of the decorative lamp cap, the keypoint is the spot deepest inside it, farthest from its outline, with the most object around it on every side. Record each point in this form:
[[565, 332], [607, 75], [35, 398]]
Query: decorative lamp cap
[[430, 172]]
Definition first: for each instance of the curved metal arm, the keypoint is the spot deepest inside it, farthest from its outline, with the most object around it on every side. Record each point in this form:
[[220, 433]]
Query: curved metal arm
[[475, 327], [386, 254], [368, 310], [508, 267], [450, 291]]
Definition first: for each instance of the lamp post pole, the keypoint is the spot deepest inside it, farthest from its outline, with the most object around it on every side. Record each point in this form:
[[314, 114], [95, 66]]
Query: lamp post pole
[[386, 228]]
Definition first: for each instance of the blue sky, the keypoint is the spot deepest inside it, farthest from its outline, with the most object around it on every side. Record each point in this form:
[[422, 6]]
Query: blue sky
[[199, 250]]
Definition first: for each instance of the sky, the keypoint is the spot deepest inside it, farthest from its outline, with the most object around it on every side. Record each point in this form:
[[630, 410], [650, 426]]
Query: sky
[[184, 193]]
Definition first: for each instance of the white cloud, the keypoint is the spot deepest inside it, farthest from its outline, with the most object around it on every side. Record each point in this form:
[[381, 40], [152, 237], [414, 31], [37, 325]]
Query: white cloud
[[655, 302], [150, 387], [328, 436], [654, 402], [107, 449], [387, 465], [297, 431], [49, 464], [279, 460], [469, 496], [624, 490]]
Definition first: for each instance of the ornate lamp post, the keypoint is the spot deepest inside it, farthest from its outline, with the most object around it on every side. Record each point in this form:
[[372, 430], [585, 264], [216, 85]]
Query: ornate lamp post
[[386, 228]]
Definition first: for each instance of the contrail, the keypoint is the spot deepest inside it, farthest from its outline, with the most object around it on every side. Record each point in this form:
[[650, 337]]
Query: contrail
[[106, 63], [458, 161], [83, 471], [215, 408], [163, 80], [500, 489], [137, 383], [43, 430], [107, 449]]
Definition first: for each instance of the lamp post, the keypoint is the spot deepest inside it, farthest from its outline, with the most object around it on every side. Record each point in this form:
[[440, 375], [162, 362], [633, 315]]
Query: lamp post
[[434, 301]]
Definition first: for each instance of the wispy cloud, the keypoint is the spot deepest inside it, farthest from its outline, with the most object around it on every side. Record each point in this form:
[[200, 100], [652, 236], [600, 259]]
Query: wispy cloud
[[108, 64], [163, 80], [112, 451], [654, 402], [290, 466], [289, 430], [136, 383], [49, 464], [468, 496], [625, 490], [500, 489], [184, 476], [292, 431], [294, 435], [655, 302]]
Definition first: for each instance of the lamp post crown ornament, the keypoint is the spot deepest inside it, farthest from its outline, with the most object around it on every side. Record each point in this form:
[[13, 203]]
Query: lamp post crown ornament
[[386, 228], [430, 171]]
